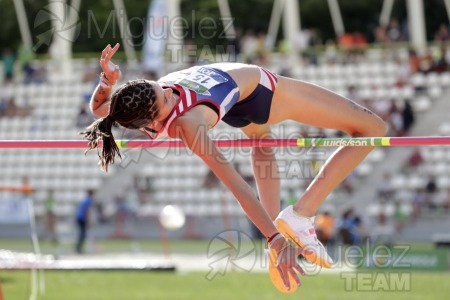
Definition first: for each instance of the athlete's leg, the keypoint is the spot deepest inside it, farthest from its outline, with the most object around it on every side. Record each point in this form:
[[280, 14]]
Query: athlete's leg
[[313, 105]]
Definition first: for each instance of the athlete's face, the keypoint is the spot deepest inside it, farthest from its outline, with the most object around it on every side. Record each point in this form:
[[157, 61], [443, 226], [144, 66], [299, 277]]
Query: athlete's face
[[164, 103]]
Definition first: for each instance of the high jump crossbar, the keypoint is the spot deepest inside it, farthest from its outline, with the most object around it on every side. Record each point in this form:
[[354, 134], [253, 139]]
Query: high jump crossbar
[[241, 143]]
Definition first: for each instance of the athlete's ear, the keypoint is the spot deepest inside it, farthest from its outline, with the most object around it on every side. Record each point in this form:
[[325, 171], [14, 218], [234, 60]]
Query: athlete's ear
[[168, 92]]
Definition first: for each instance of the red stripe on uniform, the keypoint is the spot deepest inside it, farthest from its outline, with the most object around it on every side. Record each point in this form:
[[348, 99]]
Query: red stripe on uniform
[[274, 76], [272, 84]]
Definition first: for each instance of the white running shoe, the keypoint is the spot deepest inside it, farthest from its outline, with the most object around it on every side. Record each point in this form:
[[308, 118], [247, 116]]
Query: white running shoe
[[300, 231]]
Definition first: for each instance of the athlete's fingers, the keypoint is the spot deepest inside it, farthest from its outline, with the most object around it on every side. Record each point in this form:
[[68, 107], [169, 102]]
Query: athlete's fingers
[[105, 60], [105, 51], [285, 276], [113, 50], [299, 269], [295, 276]]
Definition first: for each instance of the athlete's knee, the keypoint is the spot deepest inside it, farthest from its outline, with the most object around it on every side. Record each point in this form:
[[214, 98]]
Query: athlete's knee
[[380, 127], [372, 127], [377, 127]]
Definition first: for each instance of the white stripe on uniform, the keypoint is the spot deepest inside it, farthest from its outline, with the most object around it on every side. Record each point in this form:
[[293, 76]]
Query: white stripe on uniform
[[264, 80], [227, 100]]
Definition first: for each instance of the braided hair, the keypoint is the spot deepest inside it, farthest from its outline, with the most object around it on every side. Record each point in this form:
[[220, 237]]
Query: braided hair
[[132, 106]]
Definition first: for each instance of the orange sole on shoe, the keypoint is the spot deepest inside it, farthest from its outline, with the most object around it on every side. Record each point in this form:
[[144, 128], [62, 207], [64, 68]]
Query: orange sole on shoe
[[276, 279], [290, 235]]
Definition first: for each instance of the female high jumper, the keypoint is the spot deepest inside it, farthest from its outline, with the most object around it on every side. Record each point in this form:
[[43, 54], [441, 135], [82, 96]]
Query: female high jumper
[[186, 104]]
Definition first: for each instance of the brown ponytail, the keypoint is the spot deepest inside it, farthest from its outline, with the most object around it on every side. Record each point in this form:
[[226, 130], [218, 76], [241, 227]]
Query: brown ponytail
[[132, 106], [101, 130]]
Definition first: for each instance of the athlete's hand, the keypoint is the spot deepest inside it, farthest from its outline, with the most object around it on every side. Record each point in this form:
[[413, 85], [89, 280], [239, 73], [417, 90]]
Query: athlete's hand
[[286, 260], [111, 73]]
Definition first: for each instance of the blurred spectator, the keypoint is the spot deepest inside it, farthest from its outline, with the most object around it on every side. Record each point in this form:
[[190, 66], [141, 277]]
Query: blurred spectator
[[83, 219], [400, 218], [310, 53], [324, 224], [380, 35], [25, 58], [50, 218], [359, 42], [415, 159], [6, 98], [431, 186], [408, 117], [395, 120], [441, 64], [345, 41], [431, 189], [442, 34], [8, 59], [348, 228], [384, 189], [413, 61], [394, 32], [353, 45], [427, 62], [361, 229]]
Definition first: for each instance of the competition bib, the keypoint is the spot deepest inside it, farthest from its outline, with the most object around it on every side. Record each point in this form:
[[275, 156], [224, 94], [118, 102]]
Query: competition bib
[[201, 80]]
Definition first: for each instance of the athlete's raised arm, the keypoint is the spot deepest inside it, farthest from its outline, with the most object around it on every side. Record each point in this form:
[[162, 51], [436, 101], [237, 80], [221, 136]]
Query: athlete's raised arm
[[100, 98]]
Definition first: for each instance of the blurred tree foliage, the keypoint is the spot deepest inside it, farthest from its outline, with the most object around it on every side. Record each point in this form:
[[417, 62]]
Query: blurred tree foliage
[[99, 21]]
